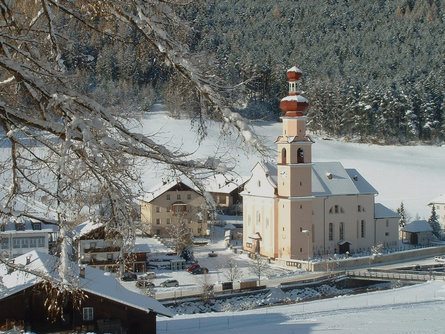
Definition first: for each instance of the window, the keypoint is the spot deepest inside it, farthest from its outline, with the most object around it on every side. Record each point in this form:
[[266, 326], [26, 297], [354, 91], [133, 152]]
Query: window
[[283, 156], [300, 155], [178, 196], [336, 209], [331, 231], [386, 234], [158, 232], [158, 221], [41, 242], [92, 245], [168, 220], [341, 231], [32, 242], [158, 209], [37, 226], [168, 197], [359, 208], [19, 227], [199, 230], [5, 243], [387, 223], [16, 243], [109, 257], [25, 243], [189, 196], [363, 229], [259, 184], [88, 313], [168, 209]]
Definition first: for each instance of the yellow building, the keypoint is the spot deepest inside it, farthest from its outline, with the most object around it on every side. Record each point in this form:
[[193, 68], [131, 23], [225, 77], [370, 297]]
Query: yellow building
[[172, 203], [295, 209]]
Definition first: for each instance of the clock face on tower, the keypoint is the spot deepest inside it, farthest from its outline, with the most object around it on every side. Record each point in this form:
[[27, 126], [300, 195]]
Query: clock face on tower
[[283, 174]]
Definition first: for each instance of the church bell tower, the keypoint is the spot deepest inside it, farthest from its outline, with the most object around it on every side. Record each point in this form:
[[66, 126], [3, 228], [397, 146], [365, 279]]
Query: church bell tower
[[294, 166]]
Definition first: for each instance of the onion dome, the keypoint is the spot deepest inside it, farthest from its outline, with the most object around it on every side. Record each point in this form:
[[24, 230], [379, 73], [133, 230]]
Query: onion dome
[[294, 104]]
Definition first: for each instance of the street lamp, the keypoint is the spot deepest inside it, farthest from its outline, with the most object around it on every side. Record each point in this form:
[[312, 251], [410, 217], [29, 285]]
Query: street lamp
[[307, 232]]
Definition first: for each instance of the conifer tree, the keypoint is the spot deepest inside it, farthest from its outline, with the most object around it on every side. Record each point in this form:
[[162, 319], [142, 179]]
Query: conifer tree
[[402, 214], [434, 222]]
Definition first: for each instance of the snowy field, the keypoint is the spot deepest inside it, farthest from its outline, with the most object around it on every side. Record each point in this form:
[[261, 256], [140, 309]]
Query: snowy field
[[412, 174], [413, 309]]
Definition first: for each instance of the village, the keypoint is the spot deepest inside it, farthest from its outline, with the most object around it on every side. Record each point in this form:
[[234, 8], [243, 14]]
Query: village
[[291, 220]]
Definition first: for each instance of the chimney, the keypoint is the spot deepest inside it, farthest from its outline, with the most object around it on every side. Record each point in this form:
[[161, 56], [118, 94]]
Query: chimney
[[82, 272], [28, 259]]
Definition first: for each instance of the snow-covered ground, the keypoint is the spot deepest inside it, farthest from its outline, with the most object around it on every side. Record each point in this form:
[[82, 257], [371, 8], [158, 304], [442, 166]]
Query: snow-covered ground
[[412, 174], [412, 309]]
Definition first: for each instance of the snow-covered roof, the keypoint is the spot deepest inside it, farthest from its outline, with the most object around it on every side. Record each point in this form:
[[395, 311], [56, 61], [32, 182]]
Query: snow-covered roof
[[438, 200], [381, 212], [96, 281], [28, 205], [10, 226], [225, 184], [417, 226], [85, 228], [297, 98], [161, 188], [294, 69], [331, 178], [151, 245], [271, 171]]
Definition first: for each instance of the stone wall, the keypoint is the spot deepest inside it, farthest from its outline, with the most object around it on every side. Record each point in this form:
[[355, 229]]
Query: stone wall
[[363, 261]]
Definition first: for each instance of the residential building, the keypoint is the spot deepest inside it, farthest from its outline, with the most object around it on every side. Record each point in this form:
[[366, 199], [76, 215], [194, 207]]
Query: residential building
[[225, 191], [20, 235], [107, 307], [102, 249], [169, 204], [295, 208], [439, 204]]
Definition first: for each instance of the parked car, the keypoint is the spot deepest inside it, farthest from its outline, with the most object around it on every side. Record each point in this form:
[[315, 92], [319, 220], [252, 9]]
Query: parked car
[[126, 276], [148, 275], [192, 267], [145, 284], [169, 283], [213, 254], [200, 270]]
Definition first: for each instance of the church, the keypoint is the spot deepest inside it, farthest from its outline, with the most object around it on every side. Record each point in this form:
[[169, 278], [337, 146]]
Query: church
[[298, 209]]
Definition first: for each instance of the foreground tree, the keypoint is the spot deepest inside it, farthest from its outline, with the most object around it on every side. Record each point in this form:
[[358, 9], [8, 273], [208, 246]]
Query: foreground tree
[[65, 149]]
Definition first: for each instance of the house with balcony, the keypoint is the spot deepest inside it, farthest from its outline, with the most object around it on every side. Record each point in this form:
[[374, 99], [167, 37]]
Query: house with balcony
[[21, 235], [107, 307], [98, 248], [102, 249], [170, 204]]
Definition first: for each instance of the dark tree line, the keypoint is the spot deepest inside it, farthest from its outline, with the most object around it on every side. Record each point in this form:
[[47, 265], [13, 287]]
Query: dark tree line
[[374, 70]]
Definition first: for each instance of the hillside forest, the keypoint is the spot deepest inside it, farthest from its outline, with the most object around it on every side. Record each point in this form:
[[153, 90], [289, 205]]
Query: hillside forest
[[373, 70]]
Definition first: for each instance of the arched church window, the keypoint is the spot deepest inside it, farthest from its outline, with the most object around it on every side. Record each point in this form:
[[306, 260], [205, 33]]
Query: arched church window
[[300, 155], [283, 156], [342, 231]]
